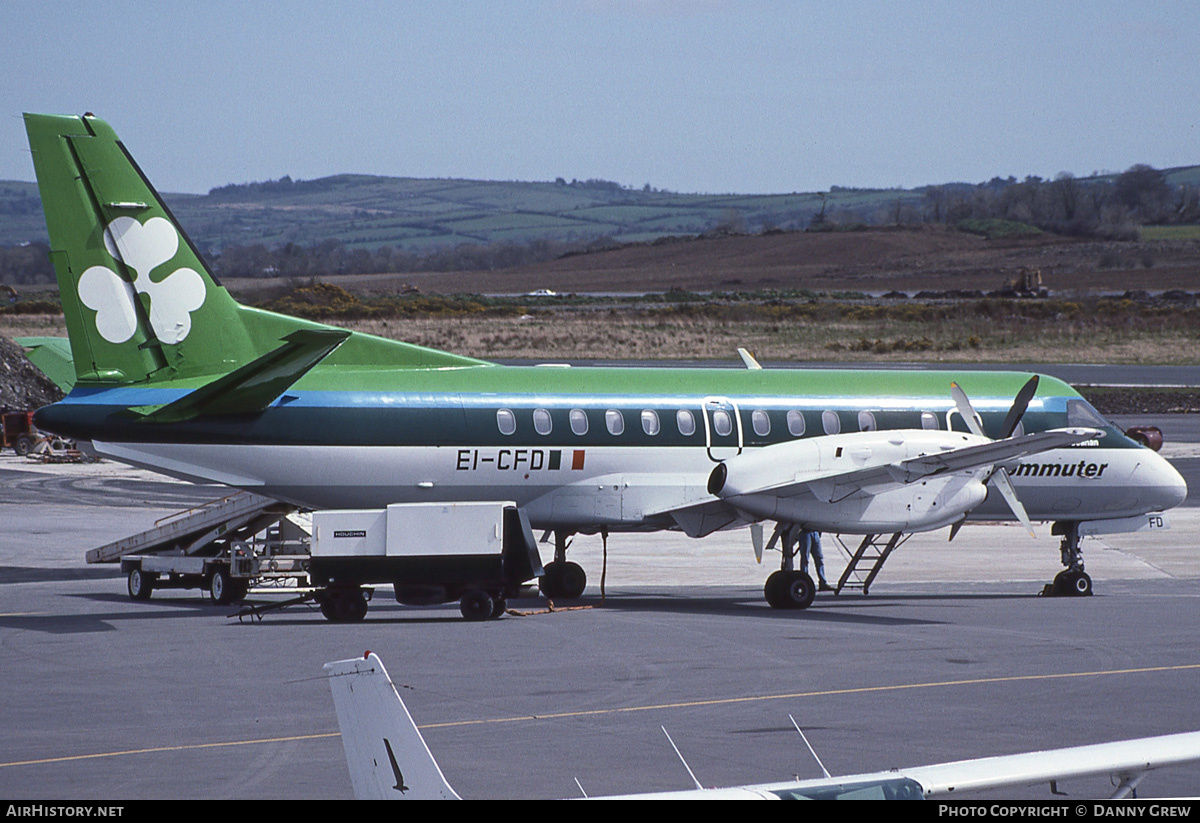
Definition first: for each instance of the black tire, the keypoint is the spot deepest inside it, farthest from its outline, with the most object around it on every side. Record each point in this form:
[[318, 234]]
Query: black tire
[[799, 591], [141, 584], [221, 587], [499, 607], [476, 604], [789, 590], [351, 606], [24, 445], [327, 610], [572, 580], [771, 591], [1081, 585], [548, 582]]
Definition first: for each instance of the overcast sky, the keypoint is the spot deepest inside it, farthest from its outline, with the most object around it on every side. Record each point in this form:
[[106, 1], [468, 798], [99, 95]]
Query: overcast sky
[[688, 95]]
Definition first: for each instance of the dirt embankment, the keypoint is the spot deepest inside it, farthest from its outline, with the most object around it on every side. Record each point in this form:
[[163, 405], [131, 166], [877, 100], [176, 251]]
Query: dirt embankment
[[22, 385]]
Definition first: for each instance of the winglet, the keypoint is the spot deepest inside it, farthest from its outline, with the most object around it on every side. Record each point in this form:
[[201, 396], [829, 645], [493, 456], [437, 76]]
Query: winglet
[[386, 754]]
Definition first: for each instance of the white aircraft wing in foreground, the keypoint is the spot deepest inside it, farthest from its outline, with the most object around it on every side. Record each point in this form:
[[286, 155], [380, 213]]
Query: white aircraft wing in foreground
[[388, 758]]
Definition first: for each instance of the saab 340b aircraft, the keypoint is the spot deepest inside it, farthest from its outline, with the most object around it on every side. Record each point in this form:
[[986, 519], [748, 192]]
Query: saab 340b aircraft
[[174, 375]]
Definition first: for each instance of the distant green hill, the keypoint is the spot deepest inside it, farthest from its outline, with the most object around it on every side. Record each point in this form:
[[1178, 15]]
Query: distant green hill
[[416, 215]]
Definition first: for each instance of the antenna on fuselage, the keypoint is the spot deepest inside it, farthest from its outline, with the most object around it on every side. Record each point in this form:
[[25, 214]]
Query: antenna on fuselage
[[813, 751], [679, 754]]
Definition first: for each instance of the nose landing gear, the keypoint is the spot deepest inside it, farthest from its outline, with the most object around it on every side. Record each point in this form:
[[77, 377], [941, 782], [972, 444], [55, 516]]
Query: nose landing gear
[[1072, 581]]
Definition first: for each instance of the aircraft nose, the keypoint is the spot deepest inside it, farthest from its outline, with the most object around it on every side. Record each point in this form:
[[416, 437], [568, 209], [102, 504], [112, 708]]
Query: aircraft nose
[[1168, 488]]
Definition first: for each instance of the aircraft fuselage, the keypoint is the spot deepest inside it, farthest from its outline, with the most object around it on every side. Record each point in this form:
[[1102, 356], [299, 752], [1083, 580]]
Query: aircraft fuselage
[[584, 448]]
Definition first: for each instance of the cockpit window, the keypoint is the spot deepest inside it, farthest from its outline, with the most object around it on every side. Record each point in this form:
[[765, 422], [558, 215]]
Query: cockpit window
[[899, 788], [1081, 413]]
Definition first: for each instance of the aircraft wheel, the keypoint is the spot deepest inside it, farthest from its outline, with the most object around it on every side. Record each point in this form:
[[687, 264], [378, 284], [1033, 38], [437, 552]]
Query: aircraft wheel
[[1083, 585], [572, 580], [476, 604], [789, 590], [563, 580], [771, 591], [221, 587], [548, 583], [499, 607], [1072, 584], [795, 590], [141, 584]]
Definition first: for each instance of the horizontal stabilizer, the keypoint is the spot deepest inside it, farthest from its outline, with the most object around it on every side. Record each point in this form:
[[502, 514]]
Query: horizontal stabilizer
[[255, 385]]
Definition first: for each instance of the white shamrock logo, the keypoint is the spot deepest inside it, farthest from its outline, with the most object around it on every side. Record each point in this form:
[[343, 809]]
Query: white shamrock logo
[[142, 248]]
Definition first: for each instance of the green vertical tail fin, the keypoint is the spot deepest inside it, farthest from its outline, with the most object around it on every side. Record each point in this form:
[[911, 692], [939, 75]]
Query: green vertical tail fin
[[139, 302]]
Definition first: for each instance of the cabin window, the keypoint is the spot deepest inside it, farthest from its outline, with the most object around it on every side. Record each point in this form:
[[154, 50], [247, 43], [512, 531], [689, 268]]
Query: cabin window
[[541, 421], [722, 422], [830, 422], [650, 424], [615, 422], [795, 421], [506, 421], [686, 422], [866, 422], [761, 422], [579, 424], [929, 420]]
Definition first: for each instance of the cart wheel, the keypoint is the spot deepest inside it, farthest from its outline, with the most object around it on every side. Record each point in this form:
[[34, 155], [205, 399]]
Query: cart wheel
[[499, 607], [141, 584], [24, 445], [221, 587], [476, 605]]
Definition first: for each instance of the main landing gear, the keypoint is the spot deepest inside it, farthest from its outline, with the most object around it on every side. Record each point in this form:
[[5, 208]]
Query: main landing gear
[[1072, 581], [562, 579], [788, 588]]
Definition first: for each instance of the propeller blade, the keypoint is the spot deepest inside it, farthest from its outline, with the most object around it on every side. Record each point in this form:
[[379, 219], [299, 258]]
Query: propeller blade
[[954, 529], [1000, 480], [966, 409], [1018, 407]]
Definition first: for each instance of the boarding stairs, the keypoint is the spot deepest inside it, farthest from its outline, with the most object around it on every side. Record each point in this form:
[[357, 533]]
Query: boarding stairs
[[188, 532], [867, 561]]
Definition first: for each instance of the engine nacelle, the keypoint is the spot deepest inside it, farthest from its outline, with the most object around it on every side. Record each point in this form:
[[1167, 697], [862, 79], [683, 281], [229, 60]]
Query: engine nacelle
[[803, 482]]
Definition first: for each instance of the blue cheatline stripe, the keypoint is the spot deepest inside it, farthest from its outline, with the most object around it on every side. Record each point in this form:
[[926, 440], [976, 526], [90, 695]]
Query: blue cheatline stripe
[[146, 396]]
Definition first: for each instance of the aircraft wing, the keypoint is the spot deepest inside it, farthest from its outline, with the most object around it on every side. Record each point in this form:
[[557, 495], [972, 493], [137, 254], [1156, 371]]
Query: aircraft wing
[[833, 486], [1126, 761]]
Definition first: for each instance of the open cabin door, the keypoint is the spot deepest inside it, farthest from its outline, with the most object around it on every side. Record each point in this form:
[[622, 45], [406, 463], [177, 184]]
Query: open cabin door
[[722, 428]]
